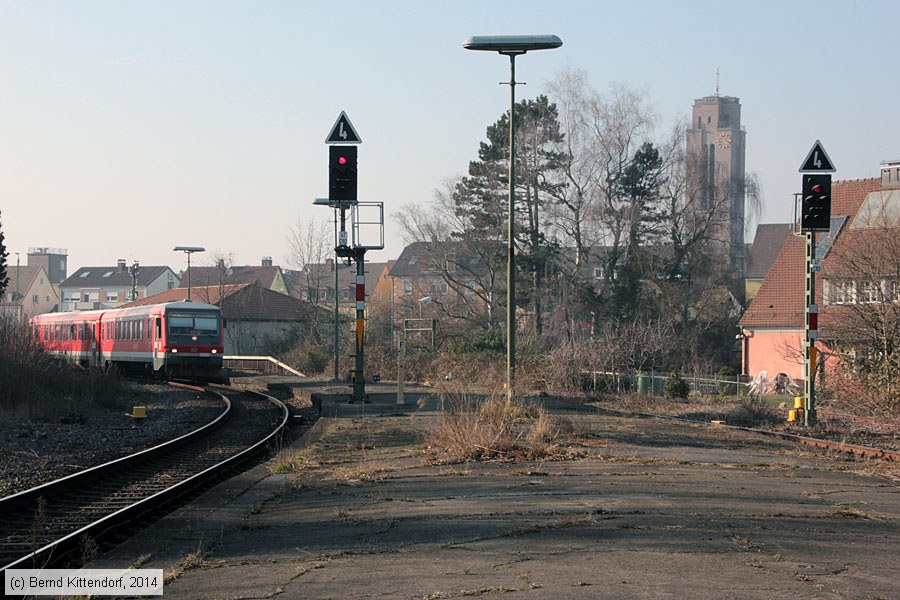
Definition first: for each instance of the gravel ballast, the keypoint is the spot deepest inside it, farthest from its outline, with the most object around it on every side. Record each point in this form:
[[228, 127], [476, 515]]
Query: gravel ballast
[[35, 452]]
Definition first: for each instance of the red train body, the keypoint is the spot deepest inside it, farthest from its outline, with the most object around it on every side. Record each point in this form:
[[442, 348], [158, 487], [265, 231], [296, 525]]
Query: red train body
[[171, 339]]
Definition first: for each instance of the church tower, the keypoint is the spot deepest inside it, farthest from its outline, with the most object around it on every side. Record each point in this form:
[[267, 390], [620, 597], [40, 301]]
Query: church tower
[[716, 145]]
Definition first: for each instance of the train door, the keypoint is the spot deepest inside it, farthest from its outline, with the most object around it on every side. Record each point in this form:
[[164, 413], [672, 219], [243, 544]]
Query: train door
[[95, 345], [156, 343]]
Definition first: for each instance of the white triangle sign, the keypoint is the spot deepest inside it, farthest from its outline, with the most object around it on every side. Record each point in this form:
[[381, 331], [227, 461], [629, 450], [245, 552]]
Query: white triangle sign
[[343, 132], [817, 161]]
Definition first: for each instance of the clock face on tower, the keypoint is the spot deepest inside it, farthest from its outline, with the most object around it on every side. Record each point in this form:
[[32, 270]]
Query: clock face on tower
[[723, 140]]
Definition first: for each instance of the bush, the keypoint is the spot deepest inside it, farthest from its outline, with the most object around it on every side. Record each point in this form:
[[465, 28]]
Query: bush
[[676, 387], [727, 384], [308, 357]]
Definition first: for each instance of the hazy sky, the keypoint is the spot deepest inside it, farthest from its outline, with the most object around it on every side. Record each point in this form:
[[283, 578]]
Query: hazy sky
[[127, 128]]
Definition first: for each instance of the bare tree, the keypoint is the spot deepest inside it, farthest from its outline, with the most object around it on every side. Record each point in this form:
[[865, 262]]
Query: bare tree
[[862, 288], [312, 254], [471, 265]]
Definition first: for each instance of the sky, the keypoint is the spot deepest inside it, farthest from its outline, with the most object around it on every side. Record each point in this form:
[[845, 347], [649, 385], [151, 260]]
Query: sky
[[129, 128]]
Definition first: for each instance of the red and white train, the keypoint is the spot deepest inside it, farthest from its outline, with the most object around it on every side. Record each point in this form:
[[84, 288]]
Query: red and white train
[[175, 339]]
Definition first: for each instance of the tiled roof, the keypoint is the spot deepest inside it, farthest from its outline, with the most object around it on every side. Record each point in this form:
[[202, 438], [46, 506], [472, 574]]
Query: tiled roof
[[781, 300], [26, 275], [241, 302], [767, 243], [109, 277], [231, 275]]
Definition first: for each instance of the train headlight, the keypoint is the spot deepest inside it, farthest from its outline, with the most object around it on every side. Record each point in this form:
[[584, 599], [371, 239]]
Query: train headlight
[[174, 350], [214, 351]]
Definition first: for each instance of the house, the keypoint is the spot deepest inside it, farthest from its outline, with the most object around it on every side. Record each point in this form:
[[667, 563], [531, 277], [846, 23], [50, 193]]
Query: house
[[28, 293], [256, 317], [316, 284], [761, 254], [91, 288], [266, 274], [773, 327]]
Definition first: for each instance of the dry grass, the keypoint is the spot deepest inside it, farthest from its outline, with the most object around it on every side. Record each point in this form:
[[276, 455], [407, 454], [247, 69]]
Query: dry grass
[[477, 429], [33, 385]]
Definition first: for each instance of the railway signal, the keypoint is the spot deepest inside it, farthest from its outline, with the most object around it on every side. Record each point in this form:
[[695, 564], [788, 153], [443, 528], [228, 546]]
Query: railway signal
[[815, 215], [815, 211], [342, 172]]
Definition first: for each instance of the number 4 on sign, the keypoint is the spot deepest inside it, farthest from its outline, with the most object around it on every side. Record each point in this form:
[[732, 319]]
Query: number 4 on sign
[[817, 161], [342, 132]]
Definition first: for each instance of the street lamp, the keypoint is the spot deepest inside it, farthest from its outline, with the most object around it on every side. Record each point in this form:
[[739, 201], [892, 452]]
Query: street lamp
[[512, 46], [189, 250]]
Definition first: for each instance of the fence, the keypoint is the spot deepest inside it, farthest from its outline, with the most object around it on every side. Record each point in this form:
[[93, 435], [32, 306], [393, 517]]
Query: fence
[[654, 382]]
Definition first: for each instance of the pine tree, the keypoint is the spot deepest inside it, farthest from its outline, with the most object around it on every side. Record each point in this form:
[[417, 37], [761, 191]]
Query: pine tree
[[4, 277]]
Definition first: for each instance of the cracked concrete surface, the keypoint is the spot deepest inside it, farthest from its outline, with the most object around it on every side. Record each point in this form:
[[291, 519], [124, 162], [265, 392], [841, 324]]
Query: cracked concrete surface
[[652, 510]]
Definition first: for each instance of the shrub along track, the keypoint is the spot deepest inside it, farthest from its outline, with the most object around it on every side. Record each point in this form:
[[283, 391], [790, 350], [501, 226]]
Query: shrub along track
[[59, 523]]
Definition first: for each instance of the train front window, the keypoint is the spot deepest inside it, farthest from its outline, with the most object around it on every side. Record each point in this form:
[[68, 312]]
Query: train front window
[[193, 323]]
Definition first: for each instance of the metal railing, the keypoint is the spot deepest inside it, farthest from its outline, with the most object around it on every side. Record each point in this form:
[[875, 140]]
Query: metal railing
[[259, 364]]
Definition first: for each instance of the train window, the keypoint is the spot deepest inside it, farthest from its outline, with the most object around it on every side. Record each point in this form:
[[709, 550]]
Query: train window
[[194, 322]]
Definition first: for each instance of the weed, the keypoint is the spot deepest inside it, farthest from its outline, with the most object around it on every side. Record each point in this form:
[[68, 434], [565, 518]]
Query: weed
[[473, 429]]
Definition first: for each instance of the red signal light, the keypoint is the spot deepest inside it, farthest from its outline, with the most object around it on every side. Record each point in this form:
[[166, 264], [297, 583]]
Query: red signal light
[[342, 160], [817, 189]]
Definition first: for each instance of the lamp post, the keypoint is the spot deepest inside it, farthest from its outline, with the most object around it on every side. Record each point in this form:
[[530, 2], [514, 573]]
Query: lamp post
[[512, 46], [189, 250]]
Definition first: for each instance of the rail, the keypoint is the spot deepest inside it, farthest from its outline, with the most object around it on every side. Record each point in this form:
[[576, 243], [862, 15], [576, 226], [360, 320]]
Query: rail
[[129, 512]]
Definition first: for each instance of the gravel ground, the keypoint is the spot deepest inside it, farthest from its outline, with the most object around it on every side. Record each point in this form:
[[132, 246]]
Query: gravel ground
[[32, 453]]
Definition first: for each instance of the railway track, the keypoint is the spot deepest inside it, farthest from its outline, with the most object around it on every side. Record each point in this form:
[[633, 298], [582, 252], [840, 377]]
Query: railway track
[[836, 446], [58, 523]]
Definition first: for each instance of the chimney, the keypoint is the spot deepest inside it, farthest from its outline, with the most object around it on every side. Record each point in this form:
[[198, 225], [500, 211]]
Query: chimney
[[329, 264], [221, 263], [122, 267], [890, 175], [267, 261]]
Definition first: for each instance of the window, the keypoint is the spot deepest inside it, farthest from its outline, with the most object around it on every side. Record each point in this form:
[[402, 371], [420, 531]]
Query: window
[[407, 286], [470, 287], [894, 287], [304, 295], [868, 291], [112, 296], [345, 295], [443, 287], [35, 299], [87, 297], [847, 292], [598, 272], [85, 274]]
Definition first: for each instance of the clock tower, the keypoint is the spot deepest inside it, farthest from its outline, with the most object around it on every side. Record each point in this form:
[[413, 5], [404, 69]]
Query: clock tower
[[716, 145]]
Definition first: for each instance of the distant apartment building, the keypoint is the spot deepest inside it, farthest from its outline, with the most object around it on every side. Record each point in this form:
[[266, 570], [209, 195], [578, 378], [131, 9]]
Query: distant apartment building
[[91, 288]]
